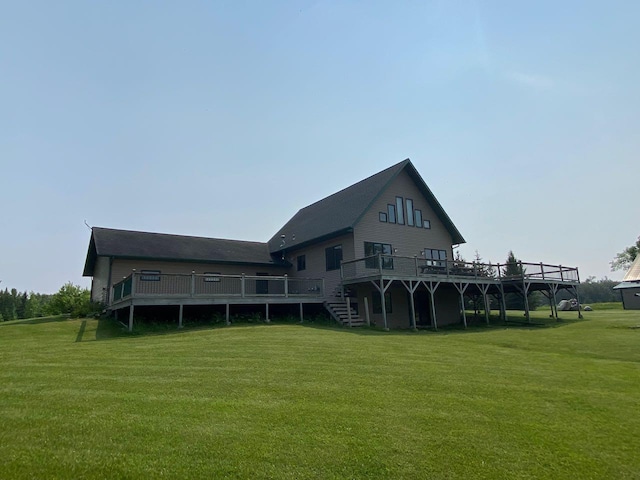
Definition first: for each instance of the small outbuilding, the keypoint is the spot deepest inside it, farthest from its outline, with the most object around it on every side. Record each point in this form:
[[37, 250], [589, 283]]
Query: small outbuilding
[[630, 287]]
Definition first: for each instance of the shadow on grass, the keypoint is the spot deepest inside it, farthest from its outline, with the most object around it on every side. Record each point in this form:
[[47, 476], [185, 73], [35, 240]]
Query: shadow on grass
[[111, 329], [36, 321]]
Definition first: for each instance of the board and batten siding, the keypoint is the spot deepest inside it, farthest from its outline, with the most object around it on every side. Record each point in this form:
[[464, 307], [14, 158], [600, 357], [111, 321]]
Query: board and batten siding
[[316, 262], [629, 299], [123, 267], [405, 240]]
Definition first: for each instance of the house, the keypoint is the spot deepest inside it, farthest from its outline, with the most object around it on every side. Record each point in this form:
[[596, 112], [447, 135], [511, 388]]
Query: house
[[630, 287], [380, 251]]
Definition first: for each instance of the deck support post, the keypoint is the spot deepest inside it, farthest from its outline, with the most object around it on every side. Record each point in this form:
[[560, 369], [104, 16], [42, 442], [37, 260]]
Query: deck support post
[[131, 317], [484, 289], [554, 291], [382, 289], [180, 316], [267, 320], [301, 314], [349, 310], [503, 302], [366, 311], [115, 314], [527, 312], [462, 287], [226, 314], [432, 287], [411, 288]]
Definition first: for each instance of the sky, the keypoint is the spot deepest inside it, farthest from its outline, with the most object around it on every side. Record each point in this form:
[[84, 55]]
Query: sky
[[223, 118]]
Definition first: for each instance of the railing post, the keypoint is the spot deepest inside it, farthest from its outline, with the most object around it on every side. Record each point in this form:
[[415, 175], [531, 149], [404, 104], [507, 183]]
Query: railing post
[[286, 284], [322, 293], [499, 271], [415, 258], [542, 269], [341, 271], [446, 262], [193, 282], [133, 283], [561, 274], [122, 288], [380, 263], [242, 287]]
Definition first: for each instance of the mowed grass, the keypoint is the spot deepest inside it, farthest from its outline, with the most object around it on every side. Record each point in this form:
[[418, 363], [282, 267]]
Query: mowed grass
[[81, 399]]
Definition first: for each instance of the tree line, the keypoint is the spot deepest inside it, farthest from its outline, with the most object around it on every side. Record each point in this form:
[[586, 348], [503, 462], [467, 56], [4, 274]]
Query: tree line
[[70, 299]]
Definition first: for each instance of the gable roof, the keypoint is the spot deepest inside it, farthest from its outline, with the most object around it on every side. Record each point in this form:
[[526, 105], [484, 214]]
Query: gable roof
[[339, 213], [633, 274], [161, 246]]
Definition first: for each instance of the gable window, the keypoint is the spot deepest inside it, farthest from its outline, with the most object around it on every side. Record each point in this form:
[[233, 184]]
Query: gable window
[[410, 212], [435, 258], [418, 215], [427, 224], [400, 210], [377, 302], [333, 257], [150, 275], [371, 251], [382, 216], [302, 262], [391, 213], [211, 276]]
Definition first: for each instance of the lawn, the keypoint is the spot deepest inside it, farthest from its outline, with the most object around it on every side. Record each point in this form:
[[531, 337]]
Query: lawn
[[81, 399]]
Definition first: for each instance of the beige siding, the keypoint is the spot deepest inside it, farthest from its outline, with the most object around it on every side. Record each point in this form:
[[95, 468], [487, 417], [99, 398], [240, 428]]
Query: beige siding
[[316, 262], [408, 241], [100, 281], [123, 267]]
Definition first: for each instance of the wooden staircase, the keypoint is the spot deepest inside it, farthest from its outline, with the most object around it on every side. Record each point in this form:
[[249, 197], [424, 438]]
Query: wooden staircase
[[339, 311]]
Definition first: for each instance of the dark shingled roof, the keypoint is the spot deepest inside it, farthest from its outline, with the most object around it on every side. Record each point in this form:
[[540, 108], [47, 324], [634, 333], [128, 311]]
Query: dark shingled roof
[[160, 246], [339, 213]]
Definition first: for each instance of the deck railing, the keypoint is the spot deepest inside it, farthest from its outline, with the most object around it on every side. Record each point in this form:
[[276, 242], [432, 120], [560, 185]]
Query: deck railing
[[392, 265], [213, 285]]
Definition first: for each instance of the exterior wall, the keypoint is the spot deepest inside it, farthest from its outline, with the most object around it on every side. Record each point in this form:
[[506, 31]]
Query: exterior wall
[[408, 241], [629, 299], [446, 304], [100, 281], [316, 262], [122, 268]]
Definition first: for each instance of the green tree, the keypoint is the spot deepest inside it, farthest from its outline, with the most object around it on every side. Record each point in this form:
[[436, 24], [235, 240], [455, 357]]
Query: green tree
[[625, 258], [71, 299], [515, 301]]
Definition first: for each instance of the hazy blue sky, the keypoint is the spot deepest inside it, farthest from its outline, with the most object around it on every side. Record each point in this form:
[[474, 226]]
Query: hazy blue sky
[[222, 119]]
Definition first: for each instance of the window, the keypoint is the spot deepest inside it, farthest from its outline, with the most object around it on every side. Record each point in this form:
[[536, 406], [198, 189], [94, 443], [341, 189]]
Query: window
[[382, 216], [333, 256], [427, 224], [377, 302], [371, 248], [391, 212], [400, 210], [150, 275], [418, 215], [211, 276], [302, 262], [410, 217], [435, 258]]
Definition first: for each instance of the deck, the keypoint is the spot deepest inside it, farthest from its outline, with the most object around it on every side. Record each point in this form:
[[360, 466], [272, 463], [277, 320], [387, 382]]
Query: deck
[[203, 289]]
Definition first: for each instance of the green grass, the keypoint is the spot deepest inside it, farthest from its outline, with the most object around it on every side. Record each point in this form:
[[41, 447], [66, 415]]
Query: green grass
[[81, 399]]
